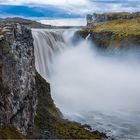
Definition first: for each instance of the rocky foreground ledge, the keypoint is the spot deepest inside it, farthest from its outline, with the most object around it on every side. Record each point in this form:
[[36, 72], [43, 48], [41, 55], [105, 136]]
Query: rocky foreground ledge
[[26, 107]]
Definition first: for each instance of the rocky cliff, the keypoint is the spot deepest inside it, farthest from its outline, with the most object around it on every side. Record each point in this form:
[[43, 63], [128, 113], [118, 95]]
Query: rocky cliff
[[120, 33], [18, 96], [96, 17]]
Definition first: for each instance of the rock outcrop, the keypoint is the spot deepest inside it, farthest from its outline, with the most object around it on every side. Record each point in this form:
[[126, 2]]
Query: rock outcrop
[[120, 33], [95, 17], [18, 96]]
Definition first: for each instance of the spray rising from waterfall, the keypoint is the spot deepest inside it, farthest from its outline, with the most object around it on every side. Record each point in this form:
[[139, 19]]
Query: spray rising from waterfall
[[83, 81]]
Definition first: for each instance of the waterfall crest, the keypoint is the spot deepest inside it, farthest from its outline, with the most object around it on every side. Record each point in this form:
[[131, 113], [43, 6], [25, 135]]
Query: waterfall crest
[[48, 43]]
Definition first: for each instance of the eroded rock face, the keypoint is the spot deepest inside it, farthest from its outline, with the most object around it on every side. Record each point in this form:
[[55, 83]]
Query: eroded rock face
[[110, 40], [18, 96], [95, 17]]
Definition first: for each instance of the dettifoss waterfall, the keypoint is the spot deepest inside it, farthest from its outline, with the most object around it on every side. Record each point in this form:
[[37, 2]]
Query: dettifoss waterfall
[[89, 87]]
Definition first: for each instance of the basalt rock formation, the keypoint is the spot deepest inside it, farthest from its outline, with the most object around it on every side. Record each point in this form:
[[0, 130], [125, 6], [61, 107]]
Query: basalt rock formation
[[18, 96]]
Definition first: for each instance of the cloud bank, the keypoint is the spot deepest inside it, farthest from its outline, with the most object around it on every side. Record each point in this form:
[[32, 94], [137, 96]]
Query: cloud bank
[[59, 9], [79, 7]]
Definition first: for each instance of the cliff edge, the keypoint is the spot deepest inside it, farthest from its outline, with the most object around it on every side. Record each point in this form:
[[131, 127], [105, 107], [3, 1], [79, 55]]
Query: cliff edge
[[117, 33], [18, 96]]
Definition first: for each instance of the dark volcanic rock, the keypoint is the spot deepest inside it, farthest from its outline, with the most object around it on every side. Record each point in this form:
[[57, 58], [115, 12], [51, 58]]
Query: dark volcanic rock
[[18, 96]]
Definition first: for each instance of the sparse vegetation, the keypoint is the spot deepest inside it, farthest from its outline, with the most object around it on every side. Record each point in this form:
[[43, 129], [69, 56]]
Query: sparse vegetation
[[120, 33], [10, 132], [122, 27]]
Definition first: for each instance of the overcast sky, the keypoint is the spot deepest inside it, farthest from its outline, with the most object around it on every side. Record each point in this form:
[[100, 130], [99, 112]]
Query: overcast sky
[[62, 9]]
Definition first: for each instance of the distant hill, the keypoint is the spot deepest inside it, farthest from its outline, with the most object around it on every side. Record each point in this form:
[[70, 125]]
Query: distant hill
[[26, 22], [32, 24]]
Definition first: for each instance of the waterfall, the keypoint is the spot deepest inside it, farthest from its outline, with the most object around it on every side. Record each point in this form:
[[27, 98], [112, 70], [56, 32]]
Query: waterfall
[[87, 36], [48, 43], [95, 88]]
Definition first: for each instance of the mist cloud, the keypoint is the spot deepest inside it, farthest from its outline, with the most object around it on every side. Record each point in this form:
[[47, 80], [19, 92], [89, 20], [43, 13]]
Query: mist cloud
[[86, 81]]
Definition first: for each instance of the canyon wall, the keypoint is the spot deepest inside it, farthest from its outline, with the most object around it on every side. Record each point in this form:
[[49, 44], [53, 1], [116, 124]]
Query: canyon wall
[[18, 96], [97, 17], [117, 32]]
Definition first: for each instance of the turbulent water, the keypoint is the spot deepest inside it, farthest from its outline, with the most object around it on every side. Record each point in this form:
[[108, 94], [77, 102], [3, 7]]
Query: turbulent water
[[100, 90]]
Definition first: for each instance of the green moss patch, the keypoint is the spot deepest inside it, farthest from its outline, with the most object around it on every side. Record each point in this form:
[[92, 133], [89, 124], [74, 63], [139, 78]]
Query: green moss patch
[[121, 33], [122, 27], [10, 132]]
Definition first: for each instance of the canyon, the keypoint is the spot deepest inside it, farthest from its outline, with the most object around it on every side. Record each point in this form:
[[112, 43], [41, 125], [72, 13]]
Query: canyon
[[35, 65], [26, 104]]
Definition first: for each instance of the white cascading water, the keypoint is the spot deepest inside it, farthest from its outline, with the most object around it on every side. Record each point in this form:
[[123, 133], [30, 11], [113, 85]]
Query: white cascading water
[[100, 90], [51, 44]]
